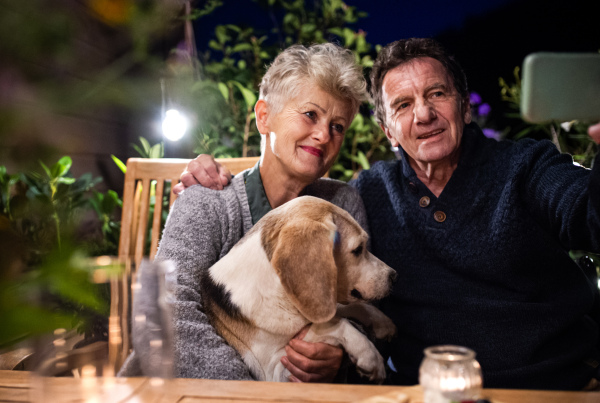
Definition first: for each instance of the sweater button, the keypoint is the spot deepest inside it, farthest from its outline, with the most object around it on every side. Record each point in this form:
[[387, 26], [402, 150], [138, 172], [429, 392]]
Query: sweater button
[[439, 216], [412, 188], [424, 201]]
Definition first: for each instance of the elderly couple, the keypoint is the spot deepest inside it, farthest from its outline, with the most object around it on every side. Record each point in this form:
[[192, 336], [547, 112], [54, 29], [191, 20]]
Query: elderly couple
[[479, 231]]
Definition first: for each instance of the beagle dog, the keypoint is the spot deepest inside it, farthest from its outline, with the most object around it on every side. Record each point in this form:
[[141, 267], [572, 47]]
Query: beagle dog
[[292, 269]]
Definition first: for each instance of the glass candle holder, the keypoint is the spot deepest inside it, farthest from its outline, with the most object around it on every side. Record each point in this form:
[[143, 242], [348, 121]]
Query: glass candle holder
[[450, 374]]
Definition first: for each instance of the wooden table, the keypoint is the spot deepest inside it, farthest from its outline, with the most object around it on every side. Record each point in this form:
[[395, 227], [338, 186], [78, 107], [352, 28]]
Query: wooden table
[[15, 386]]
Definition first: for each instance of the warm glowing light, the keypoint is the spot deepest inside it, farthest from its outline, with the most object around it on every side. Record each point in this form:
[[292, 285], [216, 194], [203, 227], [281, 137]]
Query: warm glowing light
[[103, 260], [174, 125], [88, 371]]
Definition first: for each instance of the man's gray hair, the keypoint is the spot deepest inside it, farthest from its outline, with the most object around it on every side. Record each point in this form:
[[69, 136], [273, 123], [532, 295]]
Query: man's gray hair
[[329, 66]]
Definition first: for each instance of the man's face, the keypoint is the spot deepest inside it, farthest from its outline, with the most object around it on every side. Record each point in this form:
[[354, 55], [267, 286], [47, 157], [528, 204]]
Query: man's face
[[424, 114]]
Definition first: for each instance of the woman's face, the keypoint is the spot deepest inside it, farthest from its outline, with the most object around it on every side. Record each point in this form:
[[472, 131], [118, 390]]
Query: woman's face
[[303, 139]]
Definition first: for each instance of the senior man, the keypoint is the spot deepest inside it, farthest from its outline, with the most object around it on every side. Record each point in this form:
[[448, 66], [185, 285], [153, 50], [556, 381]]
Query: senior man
[[479, 232]]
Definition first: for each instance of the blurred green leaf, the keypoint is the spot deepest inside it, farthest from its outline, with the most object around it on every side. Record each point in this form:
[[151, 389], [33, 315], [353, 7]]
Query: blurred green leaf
[[240, 47], [249, 96], [224, 90], [119, 163]]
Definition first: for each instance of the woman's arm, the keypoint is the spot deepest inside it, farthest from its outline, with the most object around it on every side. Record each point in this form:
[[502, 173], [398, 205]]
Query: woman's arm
[[201, 228]]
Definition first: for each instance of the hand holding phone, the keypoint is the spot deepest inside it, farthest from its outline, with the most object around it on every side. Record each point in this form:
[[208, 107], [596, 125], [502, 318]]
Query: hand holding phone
[[561, 87]]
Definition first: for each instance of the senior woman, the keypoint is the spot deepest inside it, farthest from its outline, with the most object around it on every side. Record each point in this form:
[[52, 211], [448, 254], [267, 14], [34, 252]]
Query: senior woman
[[308, 98]]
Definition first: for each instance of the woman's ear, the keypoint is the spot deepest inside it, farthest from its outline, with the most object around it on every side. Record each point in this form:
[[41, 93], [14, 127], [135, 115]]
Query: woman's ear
[[261, 111]]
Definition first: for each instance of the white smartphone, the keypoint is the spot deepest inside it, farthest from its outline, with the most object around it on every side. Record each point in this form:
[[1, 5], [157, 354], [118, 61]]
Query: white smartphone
[[561, 87]]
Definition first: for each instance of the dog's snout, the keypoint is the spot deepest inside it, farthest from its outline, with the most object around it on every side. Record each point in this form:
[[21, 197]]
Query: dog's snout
[[393, 276]]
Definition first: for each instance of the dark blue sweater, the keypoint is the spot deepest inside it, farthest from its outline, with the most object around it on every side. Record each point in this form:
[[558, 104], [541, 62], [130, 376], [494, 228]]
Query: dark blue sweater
[[495, 275]]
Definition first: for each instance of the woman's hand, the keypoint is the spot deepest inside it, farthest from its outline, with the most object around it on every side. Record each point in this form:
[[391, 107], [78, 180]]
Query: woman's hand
[[203, 170], [594, 132], [311, 362]]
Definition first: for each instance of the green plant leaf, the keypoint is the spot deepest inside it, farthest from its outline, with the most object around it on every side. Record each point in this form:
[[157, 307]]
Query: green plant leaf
[[109, 202], [221, 34], [46, 169], [224, 90], [65, 181], [141, 152], [361, 158], [240, 47], [146, 144], [119, 163], [249, 96], [61, 167], [214, 45], [157, 150], [308, 28], [336, 31]]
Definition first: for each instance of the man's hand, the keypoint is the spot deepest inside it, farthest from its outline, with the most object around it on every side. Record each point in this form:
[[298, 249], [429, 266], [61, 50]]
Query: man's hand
[[311, 362], [594, 132], [203, 170]]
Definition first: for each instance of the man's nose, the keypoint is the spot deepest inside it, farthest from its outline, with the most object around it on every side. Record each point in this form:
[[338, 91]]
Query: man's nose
[[424, 112]]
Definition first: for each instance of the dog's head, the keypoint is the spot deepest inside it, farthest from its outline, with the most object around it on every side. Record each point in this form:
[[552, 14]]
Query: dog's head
[[320, 254]]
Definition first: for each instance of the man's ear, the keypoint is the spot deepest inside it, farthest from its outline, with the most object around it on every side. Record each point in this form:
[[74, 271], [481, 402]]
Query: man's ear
[[391, 138], [466, 107], [261, 111]]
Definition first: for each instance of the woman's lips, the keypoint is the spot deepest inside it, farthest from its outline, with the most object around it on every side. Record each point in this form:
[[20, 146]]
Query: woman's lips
[[312, 150]]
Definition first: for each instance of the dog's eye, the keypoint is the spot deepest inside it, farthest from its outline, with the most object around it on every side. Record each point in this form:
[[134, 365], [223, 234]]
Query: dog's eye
[[358, 251]]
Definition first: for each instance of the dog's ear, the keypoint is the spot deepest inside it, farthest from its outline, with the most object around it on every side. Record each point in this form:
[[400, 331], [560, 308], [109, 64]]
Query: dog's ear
[[303, 259]]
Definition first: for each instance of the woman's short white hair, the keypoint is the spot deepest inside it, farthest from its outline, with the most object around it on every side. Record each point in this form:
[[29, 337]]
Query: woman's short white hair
[[327, 65]]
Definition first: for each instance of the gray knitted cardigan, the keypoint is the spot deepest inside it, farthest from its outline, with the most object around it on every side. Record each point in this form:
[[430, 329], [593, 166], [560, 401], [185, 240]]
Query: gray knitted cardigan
[[202, 227]]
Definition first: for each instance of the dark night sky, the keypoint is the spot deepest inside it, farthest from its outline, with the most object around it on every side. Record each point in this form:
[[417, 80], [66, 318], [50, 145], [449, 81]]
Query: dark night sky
[[488, 37], [394, 19], [387, 20]]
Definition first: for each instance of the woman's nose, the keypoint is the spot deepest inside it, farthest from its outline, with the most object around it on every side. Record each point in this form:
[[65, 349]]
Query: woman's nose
[[321, 133]]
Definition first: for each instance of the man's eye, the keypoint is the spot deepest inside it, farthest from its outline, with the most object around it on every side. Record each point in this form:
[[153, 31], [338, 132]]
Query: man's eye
[[437, 94], [403, 105]]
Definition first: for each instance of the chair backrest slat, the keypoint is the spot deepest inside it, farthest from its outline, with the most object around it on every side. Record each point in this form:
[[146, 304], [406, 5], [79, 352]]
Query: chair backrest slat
[[157, 219]]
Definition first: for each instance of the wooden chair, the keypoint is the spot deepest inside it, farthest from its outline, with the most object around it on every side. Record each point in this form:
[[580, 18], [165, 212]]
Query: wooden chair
[[148, 183], [144, 185]]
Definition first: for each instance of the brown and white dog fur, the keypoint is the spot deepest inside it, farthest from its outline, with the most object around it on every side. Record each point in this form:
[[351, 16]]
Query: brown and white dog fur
[[293, 269]]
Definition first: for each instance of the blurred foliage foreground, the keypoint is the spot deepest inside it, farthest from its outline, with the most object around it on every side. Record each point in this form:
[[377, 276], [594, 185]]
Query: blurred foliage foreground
[[50, 222], [64, 61]]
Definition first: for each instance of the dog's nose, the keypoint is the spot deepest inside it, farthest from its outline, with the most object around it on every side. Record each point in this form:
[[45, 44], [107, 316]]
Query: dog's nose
[[393, 276]]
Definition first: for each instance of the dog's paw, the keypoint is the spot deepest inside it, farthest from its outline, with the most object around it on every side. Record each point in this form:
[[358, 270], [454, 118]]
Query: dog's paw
[[371, 366], [281, 374], [285, 375], [384, 329]]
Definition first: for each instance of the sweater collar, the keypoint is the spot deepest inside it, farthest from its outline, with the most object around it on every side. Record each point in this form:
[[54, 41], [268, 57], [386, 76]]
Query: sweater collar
[[257, 197]]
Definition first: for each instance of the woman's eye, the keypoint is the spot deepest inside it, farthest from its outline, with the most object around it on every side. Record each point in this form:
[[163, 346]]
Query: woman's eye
[[311, 114], [338, 128]]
